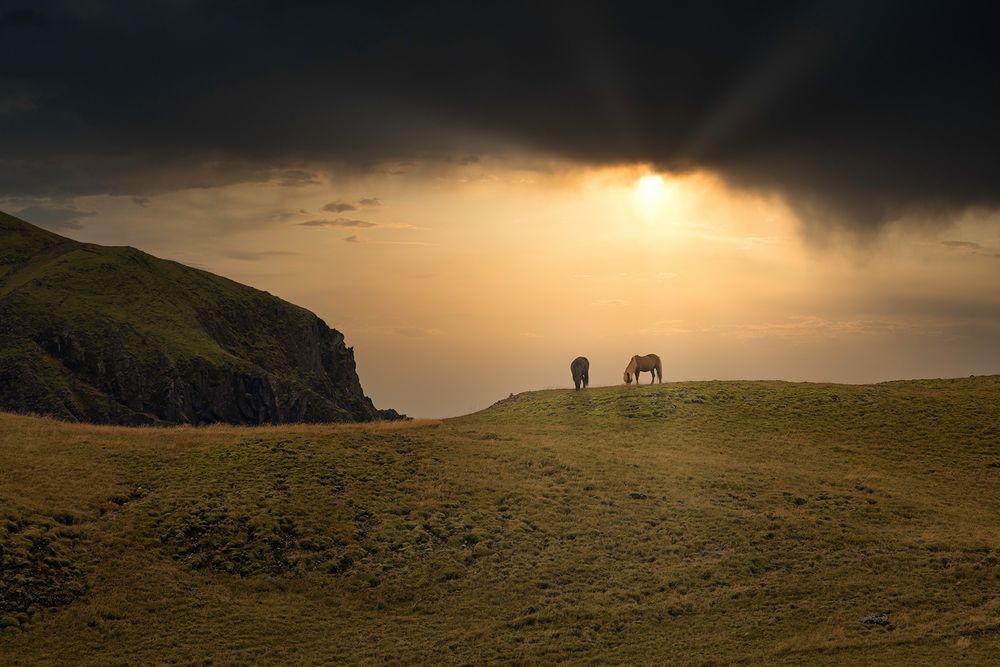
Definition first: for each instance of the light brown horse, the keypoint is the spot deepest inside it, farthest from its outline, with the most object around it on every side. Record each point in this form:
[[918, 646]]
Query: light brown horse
[[648, 364]]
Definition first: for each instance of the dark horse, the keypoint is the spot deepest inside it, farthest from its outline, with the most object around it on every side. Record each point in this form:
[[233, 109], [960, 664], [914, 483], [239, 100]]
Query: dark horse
[[649, 363], [580, 368]]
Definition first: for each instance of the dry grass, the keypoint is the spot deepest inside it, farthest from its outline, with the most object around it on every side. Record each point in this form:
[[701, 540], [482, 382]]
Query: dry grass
[[692, 523]]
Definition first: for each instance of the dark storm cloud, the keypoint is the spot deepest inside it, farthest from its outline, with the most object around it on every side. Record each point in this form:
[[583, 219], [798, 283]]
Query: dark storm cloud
[[858, 112]]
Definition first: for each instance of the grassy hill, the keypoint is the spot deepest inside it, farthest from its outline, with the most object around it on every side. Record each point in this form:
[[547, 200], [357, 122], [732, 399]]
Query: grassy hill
[[689, 523], [113, 335]]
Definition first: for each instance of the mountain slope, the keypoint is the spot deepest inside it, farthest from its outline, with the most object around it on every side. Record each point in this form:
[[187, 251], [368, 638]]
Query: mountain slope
[[702, 523], [113, 335]]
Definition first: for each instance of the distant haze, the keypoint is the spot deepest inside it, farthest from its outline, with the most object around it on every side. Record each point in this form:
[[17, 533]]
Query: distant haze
[[468, 283]]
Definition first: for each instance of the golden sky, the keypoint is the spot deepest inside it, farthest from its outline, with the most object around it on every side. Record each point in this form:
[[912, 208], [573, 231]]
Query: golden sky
[[460, 284]]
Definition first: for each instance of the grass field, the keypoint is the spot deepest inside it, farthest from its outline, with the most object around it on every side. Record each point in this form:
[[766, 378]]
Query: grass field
[[689, 523]]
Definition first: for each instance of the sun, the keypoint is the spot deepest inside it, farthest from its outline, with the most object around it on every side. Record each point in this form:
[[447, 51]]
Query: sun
[[650, 191], [650, 186]]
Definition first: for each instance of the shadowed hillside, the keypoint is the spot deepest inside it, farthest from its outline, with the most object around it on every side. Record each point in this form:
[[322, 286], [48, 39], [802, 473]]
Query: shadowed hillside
[[689, 523], [113, 335]]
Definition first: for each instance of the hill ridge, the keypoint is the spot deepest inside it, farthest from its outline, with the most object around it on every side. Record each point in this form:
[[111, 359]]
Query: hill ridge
[[115, 335]]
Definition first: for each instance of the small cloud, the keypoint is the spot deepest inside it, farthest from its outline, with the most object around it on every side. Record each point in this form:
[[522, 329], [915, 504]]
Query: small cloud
[[487, 178], [369, 201], [55, 217], [976, 248], [252, 256], [337, 222], [398, 225], [469, 159], [339, 207], [142, 202], [288, 215], [353, 238], [392, 169], [295, 178], [348, 222], [962, 244]]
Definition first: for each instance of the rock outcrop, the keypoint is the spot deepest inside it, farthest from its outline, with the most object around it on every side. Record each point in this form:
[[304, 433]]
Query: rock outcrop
[[113, 335]]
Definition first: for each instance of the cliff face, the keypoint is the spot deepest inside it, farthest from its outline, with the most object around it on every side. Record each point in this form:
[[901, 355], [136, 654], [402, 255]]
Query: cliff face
[[113, 335]]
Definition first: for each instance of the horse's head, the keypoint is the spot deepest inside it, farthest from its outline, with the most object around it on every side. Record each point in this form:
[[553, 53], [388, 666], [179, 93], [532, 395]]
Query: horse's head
[[628, 378]]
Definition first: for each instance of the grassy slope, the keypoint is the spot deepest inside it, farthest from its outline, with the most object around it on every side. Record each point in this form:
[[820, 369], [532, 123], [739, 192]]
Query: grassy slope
[[142, 306], [686, 523], [153, 299]]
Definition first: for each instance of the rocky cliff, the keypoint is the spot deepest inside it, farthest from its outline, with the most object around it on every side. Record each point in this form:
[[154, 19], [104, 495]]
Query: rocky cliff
[[113, 335]]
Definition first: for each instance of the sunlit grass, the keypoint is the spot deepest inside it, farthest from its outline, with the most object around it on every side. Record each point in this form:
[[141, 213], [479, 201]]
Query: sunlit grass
[[685, 523]]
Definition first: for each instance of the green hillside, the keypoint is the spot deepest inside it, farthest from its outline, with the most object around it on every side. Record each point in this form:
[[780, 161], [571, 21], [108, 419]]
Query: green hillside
[[113, 335], [690, 523]]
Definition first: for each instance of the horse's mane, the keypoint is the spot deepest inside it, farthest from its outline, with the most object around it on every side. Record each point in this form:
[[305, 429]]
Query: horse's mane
[[630, 369]]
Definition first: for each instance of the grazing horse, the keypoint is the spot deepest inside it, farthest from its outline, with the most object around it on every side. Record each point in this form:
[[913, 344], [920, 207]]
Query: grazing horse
[[580, 368], [648, 364]]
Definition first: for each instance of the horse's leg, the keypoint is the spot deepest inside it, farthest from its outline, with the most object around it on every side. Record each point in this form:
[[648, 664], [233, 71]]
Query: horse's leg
[[652, 375]]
